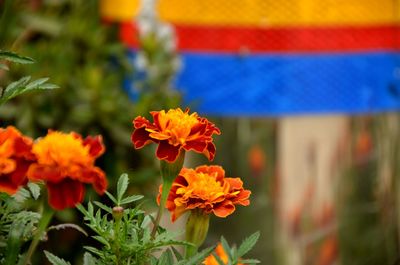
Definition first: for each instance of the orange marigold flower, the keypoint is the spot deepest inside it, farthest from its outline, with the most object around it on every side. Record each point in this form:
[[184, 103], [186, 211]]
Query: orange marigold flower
[[220, 251], [15, 159], [66, 163], [207, 189], [174, 130]]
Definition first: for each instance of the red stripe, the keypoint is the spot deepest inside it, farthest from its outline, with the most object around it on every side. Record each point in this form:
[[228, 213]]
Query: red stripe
[[293, 39]]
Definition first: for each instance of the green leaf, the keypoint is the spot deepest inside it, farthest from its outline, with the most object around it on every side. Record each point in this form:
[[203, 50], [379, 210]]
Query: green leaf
[[248, 244], [131, 199], [220, 262], [166, 258], [227, 248], [4, 67], [34, 189], [104, 207], [67, 225], [88, 259], [55, 260], [177, 254], [199, 257], [109, 195], [21, 86], [15, 58], [122, 186]]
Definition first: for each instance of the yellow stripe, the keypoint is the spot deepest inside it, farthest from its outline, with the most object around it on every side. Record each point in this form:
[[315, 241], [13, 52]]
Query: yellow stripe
[[279, 12]]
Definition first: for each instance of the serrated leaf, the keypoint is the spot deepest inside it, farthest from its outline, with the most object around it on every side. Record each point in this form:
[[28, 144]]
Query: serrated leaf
[[131, 199], [36, 83], [122, 186], [67, 225], [55, 260], [34, 189], [4, 67], [248, 244], [15, 58], [88, 259]]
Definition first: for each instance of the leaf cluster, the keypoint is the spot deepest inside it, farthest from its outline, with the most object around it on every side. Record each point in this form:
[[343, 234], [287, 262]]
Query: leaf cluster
[[124, 234], [17, 225], [24, 84]]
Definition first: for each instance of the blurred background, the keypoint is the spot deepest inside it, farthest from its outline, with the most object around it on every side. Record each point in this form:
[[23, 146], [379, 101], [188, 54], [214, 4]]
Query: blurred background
[[305, 92]]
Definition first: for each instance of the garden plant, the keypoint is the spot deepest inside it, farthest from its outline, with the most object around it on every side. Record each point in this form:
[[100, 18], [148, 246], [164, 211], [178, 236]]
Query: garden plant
[[53, 171]]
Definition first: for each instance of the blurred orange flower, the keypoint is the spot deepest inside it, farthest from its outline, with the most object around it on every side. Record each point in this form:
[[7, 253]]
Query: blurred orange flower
[[65, 163], [207, 189], [15, 159], [219, 250], [174, 130]]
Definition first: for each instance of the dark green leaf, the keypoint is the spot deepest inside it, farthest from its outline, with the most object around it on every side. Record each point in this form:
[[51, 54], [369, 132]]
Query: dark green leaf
[[199, 257], [15, 58]]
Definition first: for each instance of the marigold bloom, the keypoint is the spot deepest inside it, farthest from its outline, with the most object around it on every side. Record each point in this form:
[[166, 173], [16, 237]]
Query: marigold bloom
[[15, 158], [173, 131], [65, 163], [207, 189], [220, 251]]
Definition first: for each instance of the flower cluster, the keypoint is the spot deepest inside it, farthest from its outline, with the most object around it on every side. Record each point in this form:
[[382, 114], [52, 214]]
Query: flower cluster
[[63, 161], [173, 131], [15, 159], [206, 188]]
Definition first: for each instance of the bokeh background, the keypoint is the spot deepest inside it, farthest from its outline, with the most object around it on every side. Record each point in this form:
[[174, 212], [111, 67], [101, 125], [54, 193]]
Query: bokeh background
[[306, 93]]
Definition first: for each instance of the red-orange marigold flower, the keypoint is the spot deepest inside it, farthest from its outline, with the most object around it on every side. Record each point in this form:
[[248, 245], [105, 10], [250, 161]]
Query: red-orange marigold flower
[[220, 251], [15, 158], [66, 163], [207, 189], [174, 130]]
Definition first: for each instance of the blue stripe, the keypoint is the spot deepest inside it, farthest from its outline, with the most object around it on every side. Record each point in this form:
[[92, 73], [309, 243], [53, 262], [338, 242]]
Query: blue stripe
[[291, 84], [273, 85]]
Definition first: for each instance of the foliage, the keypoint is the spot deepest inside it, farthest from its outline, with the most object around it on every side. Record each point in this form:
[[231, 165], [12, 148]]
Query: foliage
[[16, 223], [22, 85]]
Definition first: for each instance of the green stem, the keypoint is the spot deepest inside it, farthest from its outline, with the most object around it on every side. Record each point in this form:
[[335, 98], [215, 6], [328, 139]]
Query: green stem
[[196, 231], [44, 221], [169, 171]]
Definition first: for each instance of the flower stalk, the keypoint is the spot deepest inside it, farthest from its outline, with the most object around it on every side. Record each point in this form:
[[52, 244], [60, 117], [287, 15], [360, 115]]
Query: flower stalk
[[47, 214], [169, 171], [196, 230]]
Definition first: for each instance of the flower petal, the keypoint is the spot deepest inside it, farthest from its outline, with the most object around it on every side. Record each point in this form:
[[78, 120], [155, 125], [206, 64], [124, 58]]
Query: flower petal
[[167, 152], [140, 137], [65, 194], [96, 146], [224, 209]]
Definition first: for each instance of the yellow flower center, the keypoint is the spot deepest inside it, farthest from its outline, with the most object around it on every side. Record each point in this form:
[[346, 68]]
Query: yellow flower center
[[176, 125], [203, 186], [61, 150]]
